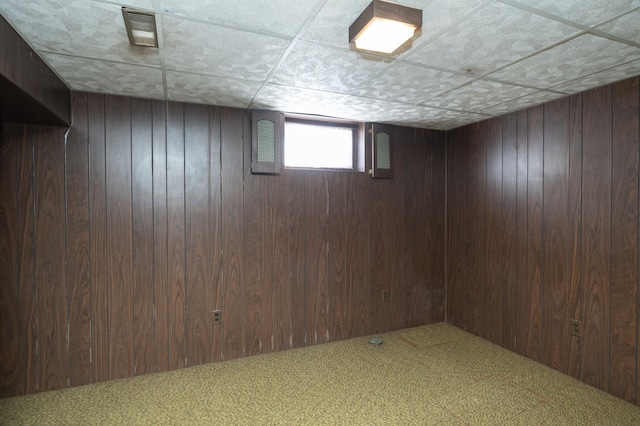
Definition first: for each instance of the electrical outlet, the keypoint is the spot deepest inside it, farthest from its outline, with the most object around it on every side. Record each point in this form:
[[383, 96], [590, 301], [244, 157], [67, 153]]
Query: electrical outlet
[[385, 295], [575, 327], [217, 317]]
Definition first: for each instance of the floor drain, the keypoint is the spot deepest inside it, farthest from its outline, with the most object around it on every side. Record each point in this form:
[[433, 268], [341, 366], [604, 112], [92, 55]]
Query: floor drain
[[375, 341]]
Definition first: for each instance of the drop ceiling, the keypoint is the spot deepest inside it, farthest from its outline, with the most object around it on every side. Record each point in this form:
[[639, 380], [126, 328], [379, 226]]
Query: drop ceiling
[[473, 59]]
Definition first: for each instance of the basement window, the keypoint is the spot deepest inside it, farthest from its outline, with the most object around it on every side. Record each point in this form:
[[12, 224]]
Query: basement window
[[311, 144]]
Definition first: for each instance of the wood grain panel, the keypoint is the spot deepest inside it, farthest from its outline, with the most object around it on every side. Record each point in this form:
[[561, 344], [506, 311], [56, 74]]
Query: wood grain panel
[[10, 371], [494, 216], [281, 265], [624, 240], [339, 287], [78, 245], [438, 195], [50, 265], [378, 252], [252, 254], [142, 234], [575, 236], [266, 197], [176, 235], [423, 256], [199, 320], [119, 235], [522, 252], [555, 238], [456, 231], [160, 236], [508, 263], [358, 253], [483, 237], [471, 231], [26, 250], [533, 313], [297, 256], [317, 249], [596, 236], [215, 220], [98, 236], [231, 155]]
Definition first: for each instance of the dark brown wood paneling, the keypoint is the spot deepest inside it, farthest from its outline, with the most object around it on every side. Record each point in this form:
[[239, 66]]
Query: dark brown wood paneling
[[215, 219], [281, 266], [26, 250], [338, 287], [555, 239], [176, 235], [252, 255], [266, 267], [596, 236], [624, 240], [142, 234], [358, 254], [575, 236], [160, 236], [199, 319], [522, 146], [50, 261], [494, 217], [438, 195], [317, 250], [471, 231], [532, 315], [98, 237], [297, 256], [455, 228], [232, 170], [10, 371], [508, 263], [119, 235], [78, 245], [483, 237], [146, 226]]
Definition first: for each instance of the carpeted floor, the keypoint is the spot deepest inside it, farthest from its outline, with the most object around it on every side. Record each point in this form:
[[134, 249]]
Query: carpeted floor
[[431, 375]]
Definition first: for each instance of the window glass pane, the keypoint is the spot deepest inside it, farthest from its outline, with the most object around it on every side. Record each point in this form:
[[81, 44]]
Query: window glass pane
[[318, 146]]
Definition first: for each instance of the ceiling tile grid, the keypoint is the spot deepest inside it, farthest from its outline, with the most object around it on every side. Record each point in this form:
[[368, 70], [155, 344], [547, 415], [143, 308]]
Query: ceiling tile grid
[[472, 59]]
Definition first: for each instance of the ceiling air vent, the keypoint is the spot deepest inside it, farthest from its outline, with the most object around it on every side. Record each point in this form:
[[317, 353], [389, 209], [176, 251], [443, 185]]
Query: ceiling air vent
[[141, 27]]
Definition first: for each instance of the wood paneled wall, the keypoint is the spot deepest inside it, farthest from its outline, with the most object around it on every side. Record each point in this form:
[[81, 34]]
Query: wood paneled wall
[[543, 229], [119, 238]]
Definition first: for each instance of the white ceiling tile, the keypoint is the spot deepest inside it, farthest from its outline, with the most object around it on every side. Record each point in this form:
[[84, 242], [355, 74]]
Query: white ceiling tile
[[409, 83], [311, 66], [282, 17], [108, 77], [600, 78], [522, 102], [584, 12], [77, 27], [462, 120], [478, 95], [492, 37], [579, 57], [202, 48], [365, 109], [296, 100], [627, 27], [204, 89]]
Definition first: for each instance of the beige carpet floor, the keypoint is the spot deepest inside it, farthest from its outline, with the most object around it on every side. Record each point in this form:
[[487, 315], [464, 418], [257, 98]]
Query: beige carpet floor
[[431, 375]]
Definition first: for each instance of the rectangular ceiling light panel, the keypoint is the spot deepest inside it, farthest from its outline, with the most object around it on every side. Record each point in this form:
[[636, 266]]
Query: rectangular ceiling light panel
[[384, 26]]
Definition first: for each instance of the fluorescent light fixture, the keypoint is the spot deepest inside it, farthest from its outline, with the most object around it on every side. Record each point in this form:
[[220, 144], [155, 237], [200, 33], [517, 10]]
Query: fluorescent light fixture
[[141, 27], [384, 26]]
